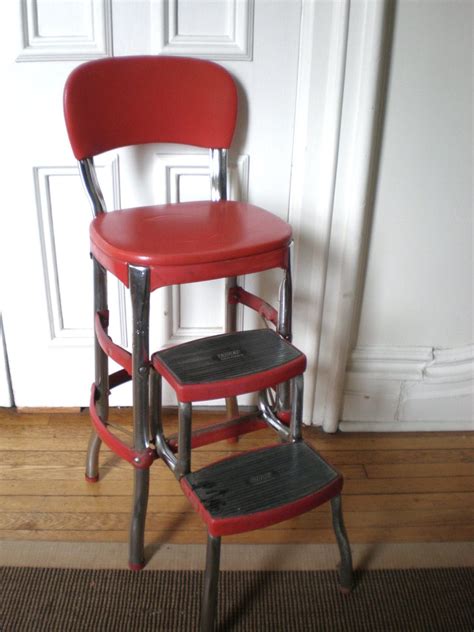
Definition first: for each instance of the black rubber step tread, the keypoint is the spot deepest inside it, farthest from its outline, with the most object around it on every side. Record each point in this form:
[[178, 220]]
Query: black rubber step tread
[[227, 356], [261, 480]]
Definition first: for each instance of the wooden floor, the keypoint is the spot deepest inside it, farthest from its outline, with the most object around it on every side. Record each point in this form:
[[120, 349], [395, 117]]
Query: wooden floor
[[413, 487]]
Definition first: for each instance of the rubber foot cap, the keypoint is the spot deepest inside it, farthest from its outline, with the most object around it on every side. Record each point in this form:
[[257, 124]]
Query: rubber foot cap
[[136, 567], [91, 479], [344, 590]]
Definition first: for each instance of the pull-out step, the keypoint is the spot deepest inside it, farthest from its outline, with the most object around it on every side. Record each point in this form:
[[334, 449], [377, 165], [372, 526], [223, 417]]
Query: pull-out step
[[260, 488], [228, 365]]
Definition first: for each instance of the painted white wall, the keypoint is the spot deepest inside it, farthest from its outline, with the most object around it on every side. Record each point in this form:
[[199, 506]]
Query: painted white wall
[[413, 358]]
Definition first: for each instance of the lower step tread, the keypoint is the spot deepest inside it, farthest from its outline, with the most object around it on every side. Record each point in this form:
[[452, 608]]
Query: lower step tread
[[280, 481]]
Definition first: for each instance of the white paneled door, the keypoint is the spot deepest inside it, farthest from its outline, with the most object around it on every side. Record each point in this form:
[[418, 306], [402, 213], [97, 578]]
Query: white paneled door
[[46, 271]]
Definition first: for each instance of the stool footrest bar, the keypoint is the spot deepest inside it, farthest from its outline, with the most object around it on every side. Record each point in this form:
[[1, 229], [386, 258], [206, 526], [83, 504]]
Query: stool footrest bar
[[238, 295], [221, 431], [114, 351], [140, 460]]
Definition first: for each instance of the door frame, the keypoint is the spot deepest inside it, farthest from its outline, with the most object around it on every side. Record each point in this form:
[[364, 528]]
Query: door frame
[[344, 47]]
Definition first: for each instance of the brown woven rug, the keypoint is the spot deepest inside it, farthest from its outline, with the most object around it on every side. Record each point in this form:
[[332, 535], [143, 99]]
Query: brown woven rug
[[37, 599]]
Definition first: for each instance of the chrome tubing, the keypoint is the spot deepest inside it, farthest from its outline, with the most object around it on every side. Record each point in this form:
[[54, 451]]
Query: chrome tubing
[[101, 358], [139, 281], [297, 408], [92, 186], [218, 174], [211, 584], [101, 374], [270, 418], [157, 433], [183, 466], [284, 327], [345, 569]]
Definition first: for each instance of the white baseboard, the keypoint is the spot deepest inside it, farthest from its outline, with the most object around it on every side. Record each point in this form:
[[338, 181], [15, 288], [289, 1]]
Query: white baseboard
[[409, 388]]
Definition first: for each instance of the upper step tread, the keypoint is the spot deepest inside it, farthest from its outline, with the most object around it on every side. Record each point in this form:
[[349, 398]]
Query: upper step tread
[[227, 356], [229, 364]]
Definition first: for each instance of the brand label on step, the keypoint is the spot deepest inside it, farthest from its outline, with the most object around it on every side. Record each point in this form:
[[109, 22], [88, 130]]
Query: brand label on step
[[232, 354], [258, 479]]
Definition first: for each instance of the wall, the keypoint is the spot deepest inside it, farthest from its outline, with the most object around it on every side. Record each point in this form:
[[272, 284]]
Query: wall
[[412, 363]]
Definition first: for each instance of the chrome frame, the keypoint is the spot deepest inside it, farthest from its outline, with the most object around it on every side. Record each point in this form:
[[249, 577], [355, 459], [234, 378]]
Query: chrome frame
[[92, 186], [284, 328], [266, 410], [183, 465], [296, 423], [345, 568], [156, 423], [139, 282], [218, 168], [211, 584], [94, 193], [286, 300], [101, 373]]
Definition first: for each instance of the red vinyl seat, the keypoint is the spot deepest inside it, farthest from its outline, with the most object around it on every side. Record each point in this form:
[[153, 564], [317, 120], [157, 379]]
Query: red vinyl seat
[[191, 241]]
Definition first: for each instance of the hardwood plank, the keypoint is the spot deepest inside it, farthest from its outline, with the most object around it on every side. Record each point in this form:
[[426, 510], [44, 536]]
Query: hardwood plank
[[55, 473], [397, 457], [314, 520], [419, 470], [179, 504], [408, 485], [91, 504], [263, 536], [108, 485], [390, 440], [44, 488], [403, 502], [202, 456]]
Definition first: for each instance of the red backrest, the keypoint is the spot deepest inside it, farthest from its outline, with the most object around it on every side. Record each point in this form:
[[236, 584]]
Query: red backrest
[[120, 101]]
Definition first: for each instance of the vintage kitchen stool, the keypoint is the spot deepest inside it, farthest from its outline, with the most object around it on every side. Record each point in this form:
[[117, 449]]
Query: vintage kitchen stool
[[256, 488], [117, 102]]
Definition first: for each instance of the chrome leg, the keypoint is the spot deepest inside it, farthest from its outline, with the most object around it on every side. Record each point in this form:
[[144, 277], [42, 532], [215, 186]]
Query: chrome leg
[[297, 410], [92, 458], [156, 422], [285, 330], [101, 374], [232, 406], [183, 466], [136, 557], [218, 168], [211, 581], [345, 569], [139, 279]]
